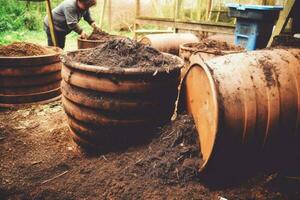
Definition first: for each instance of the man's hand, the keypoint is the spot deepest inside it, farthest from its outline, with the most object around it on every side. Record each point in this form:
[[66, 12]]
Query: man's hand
[[95, 26], [83, 35]]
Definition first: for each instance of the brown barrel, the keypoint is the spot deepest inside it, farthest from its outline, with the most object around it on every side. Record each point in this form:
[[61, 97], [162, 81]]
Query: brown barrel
[[30, 79], [109, 107], [246, 106], [169, 42], [186, 50], [87, 44], [189, 49]]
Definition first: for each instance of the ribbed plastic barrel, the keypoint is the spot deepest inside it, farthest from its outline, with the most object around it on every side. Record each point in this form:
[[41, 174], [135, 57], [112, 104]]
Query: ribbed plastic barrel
[[246, 106], [30, 79], [109, 107], [169, 42]]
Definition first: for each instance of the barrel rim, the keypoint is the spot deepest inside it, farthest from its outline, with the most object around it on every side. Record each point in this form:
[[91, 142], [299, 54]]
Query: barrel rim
[[90, 41], [20, 58], [25, 61], [96, 41], [208, 51], [67, 61], [215, 96]]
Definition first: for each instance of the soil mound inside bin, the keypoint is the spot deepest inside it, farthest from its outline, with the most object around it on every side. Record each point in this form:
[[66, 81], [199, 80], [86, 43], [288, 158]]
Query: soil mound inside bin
[[24, 49], [98, 34], [213, 45], [125, 53]]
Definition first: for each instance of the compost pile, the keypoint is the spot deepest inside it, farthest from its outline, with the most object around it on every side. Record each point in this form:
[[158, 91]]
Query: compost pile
[[175, 156], [24, 49], [125, 53], [98, 34], [214, 46]]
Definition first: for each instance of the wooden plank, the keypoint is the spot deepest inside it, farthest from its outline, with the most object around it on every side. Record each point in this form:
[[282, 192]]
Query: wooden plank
[[189, 25], [205, 27], [153, 31]]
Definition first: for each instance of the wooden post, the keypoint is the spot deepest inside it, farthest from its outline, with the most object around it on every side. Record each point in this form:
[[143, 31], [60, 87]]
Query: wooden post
[[208, 9], [199, 6], [102, 13], [109, 15], [176, 14], [137, 8], [137, 14], [51, 23]]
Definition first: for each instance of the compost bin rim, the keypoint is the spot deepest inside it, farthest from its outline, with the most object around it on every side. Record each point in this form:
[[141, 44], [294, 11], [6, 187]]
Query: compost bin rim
[[66, 60], [91, 41], [199, 63], [57, 49], [96, 41], [184, 47]]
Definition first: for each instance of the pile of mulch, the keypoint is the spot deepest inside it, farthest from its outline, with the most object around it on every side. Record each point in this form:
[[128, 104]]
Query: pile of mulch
[[24, 49], [125, 53], [98, 34], [214, 46], [174, 157]]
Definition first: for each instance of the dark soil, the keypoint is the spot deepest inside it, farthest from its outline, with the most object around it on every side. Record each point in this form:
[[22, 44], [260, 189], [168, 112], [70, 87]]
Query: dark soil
[[98, 34], [286, 40], [125, 53], [214, 46], [38, 160], [268, 71], [24, 49]]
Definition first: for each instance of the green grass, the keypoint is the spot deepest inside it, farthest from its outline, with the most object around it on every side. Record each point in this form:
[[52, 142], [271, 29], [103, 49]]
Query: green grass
[[39, 37], [19, 23]]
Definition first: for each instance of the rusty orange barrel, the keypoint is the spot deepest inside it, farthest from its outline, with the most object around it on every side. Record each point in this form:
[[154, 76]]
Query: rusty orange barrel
[[30, 79], [169, 42], [110, 108], [87, 44], [245, 106], [207, 49]]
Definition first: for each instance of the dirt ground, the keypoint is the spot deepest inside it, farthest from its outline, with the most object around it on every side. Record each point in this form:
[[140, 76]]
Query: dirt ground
[[40, 161]]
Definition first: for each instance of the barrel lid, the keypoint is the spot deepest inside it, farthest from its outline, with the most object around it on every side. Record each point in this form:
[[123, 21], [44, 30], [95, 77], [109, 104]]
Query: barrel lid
[[202, 101], [253, 7]]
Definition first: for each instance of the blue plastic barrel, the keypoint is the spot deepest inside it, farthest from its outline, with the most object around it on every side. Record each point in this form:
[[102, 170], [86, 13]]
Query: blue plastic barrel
[[254, 24]]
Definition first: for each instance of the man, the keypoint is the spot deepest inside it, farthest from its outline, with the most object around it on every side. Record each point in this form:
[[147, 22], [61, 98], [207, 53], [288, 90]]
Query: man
[[66, 17]]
